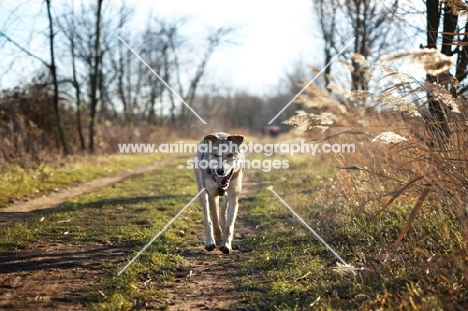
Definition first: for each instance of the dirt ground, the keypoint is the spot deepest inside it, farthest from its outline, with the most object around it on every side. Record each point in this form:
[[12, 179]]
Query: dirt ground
[[210, 285], [51, 275]]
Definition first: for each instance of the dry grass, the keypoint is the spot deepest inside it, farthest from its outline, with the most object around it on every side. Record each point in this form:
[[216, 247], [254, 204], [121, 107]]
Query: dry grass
[[279, 265], [404, 153], [403, 193]]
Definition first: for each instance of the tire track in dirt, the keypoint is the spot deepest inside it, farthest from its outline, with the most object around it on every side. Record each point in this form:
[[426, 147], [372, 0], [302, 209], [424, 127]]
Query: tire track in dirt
[[208, 282], [20, 211], [51, 274]]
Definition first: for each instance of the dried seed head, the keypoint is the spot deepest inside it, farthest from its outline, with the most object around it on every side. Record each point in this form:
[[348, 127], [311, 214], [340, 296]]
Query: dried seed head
[[457, 7], [359, 59], [388, 137], [308, 121], [400, 104], [432, 60], [359, 94], [441, 94]]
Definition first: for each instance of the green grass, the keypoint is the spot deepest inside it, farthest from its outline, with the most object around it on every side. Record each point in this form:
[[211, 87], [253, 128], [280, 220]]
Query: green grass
[[124, 216], [289, 269], [17, 183], [282, 266]]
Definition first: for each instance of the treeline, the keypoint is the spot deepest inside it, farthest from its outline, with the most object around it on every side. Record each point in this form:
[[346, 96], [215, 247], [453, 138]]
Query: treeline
[[94, 89], [28, 124]]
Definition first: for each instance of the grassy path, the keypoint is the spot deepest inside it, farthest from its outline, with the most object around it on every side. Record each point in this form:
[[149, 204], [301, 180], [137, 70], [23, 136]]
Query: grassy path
[[209, 280], [64, 258], [67, 257], [25, 209], [19, 184]]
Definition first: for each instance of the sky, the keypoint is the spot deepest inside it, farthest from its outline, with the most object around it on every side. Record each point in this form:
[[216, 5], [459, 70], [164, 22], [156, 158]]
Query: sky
[[271, 37]]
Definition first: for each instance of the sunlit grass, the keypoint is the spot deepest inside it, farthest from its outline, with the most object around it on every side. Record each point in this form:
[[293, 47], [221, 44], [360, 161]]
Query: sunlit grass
[[17, 183], [289, 269], [281, 265], [125, 215]]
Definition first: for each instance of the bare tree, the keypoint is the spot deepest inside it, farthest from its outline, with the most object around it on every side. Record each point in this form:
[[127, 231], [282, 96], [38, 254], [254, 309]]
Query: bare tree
[[215, 39], [443, 22], [327, 12], [137, 88], [156, 52], [437, 110], [370, 22], [69, 29], [95, 77], [174, 42], [53, 71], [96, 72]]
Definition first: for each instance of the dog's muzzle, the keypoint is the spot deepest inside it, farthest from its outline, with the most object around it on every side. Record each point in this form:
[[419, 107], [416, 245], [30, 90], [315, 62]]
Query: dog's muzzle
[[222, 181]]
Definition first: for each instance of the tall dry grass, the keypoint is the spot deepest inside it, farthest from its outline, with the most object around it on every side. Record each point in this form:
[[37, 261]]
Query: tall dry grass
[[405, 151], [29, 136]]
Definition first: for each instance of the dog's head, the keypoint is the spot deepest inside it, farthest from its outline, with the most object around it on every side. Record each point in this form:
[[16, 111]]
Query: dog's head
[[223, 156]]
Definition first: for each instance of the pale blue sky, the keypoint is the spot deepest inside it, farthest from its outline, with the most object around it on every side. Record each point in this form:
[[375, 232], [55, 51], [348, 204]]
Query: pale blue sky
[[272, 36]]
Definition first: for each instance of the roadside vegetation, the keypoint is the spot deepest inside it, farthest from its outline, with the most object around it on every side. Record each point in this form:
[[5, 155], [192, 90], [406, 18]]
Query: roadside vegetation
[[396, 209], [19, 183], [288, 269], [279, 265]]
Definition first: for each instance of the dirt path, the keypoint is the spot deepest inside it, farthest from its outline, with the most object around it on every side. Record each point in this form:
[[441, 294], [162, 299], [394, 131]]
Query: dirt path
[[53, 275], [23, 210], [210, 284]]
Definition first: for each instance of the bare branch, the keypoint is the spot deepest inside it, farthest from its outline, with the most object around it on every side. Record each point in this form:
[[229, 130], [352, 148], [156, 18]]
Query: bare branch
[[2, 34]]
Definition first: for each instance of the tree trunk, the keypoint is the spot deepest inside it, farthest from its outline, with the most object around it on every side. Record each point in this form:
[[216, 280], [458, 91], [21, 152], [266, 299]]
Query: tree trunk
[[432, 19], [462, 59], [95, 77], [76, 85], [166, 78], [326, 10], [438, 125], [53, 70]]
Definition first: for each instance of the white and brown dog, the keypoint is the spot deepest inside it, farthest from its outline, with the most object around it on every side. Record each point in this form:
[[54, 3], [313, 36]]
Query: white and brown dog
[[219, 169]]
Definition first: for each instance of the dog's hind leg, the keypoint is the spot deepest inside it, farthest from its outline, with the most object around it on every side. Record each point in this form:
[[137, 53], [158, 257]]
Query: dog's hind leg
[[222, 215]]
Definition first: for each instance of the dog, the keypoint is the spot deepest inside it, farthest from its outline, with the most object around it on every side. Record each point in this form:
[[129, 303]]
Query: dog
[[221, 176]]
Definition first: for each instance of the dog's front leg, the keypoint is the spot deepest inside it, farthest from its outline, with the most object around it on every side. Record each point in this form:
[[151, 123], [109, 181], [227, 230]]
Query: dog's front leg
[[212, 229], [210, 243], [228, 230], [214, 213]]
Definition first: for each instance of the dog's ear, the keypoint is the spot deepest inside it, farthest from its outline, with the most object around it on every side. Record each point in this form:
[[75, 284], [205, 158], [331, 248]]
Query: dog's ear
[[211, 137], [237, 139]]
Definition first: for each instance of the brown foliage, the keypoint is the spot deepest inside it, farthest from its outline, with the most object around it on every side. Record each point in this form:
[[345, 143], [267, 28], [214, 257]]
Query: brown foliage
[[402, 155], [28, 127]]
